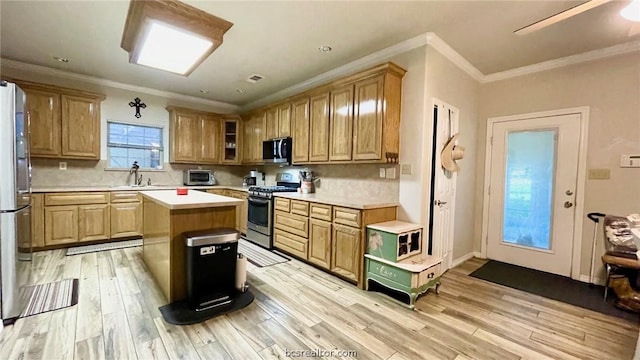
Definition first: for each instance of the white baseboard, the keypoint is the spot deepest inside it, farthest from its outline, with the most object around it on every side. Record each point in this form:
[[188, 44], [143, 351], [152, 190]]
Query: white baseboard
[[596, 280], [461, 259], [478, 254]]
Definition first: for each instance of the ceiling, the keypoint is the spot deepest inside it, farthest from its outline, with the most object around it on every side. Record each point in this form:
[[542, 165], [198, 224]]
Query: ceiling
[[280, 40]]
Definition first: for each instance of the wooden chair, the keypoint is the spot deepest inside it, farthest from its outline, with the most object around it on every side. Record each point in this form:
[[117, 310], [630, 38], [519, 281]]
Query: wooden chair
[[612, 262]]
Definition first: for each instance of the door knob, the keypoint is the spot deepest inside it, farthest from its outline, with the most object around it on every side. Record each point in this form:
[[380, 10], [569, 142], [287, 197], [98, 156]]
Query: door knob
[[440, 203], [568, 204], [569, 192]]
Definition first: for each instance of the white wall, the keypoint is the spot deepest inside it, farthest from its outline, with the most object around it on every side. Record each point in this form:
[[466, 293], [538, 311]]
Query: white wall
[[611, 89]]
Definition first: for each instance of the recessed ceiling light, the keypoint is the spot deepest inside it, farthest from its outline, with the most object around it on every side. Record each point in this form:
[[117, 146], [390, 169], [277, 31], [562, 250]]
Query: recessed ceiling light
[[632, 11], [240, 91], [61, 59], [325, 48], [204, 91]]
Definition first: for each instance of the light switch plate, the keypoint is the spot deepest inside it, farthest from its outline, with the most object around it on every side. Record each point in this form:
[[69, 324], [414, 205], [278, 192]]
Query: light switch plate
[[406, 169], [599, 174], [62, 165], [630, 160], [383, 172], [391, 173]]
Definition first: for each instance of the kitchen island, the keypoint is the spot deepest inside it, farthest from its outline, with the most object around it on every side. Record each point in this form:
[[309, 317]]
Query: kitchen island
[[166, 217]]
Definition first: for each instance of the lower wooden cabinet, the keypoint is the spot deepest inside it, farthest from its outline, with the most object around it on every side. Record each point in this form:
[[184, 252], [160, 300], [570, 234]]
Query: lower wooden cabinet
[[320, 243], [346, 254], [126, 220], [37, 220], [61, 225], [93, 222], [293, 244]]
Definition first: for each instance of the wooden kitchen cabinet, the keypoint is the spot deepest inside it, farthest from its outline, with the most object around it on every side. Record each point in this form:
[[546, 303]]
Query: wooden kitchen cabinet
[[37, 220], [367, 123], [231, 144], [93, 222], [61, 225], [300, 130], [44, 112], [254, 134], [80, 126], [271, 123], [341, 126], [65, 123], [319, 127], [346, 254], [320, 235], [284, 120], [126, 219], [195, 137]]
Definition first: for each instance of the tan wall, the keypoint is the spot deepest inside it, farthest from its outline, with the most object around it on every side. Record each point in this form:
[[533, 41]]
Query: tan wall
[[446, 82], [611, 89]]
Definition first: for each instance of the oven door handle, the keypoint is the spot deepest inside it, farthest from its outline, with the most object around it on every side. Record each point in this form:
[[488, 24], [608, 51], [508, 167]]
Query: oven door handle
[[258, 200]]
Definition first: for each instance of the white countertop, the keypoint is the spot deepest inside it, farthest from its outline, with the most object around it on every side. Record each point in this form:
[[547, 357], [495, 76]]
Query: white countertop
[[129, 188], [350, 202], [193, 200]]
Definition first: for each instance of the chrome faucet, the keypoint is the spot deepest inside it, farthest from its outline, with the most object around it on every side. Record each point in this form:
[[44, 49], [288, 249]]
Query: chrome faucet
[[134, 170]]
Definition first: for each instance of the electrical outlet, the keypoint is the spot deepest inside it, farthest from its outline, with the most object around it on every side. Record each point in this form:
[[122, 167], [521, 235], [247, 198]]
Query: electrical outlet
[[383, 172], [406, 169], [391, 173], [599, 174], [62, 165]]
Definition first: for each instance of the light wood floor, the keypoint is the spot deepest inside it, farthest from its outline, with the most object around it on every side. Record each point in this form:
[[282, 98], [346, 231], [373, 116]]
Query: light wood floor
[[299, 307]]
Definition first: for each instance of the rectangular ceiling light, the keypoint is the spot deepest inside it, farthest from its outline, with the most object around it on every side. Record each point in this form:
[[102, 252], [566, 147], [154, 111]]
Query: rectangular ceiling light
[[171, 49], [171, 35]]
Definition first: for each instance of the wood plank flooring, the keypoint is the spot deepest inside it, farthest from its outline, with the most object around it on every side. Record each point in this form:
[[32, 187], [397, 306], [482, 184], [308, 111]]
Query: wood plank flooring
[[298, 307]]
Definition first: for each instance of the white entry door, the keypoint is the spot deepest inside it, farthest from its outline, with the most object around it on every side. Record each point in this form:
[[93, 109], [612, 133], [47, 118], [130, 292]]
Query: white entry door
[[444, 185], [533, 180]]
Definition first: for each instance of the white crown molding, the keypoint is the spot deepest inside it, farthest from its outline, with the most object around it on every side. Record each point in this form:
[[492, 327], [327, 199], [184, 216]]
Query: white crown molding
[[448, 52], [344, 70], [43, 70], [565, 61]]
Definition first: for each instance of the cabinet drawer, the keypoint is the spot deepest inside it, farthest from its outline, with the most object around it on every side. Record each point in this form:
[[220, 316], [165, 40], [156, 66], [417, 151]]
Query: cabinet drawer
[[78, 198], [397, 275], [292, 223], [125, 196], [282, 204], [290, 243], [345, 216], [320, 211], [300, 207], [426, 276]]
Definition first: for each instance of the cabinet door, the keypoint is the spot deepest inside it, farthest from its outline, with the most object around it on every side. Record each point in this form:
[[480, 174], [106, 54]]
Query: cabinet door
[[184, 137], [44, 113], [37, 220], [300, 118], [210, 133], [126, 220], [259, 133], [341, 129], [230, 141], [320, 243], [367, 121], [80, 127], [345, 253], [247, 139], [244, 215], [93, 222], [60, 225], [319, 128], [284, 120], [272, 123]]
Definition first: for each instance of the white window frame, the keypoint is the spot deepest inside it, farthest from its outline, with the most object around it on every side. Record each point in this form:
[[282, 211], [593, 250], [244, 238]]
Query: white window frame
[[129, 123]]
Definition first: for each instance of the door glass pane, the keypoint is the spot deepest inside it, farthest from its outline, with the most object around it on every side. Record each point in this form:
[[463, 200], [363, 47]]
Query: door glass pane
[[528, 193]]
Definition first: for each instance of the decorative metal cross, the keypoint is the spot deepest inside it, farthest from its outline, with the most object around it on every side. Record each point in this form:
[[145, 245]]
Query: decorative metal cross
[[138, 105]]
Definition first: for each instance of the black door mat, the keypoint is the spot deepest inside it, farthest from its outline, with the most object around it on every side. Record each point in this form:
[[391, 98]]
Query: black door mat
[[552, 286], [179, 312]]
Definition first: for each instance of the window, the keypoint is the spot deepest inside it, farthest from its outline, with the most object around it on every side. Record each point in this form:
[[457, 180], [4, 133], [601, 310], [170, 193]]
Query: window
[[127, 143]]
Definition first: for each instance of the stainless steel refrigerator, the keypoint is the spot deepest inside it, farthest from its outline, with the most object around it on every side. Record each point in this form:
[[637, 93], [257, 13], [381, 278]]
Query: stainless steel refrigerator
[[15, 200]]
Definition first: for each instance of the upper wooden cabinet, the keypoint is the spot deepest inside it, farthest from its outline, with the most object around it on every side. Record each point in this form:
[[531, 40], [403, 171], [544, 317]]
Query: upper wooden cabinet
[[255, 131], [300, 126], [65, 123], [200, 138], [319, 128], [232, 140], [355, 119]]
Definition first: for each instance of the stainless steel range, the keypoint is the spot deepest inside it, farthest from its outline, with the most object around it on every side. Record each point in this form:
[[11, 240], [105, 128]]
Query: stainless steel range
[[260, 219]]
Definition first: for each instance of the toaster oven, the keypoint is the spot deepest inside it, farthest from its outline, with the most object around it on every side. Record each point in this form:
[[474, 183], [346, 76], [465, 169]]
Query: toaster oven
[[198, 177]]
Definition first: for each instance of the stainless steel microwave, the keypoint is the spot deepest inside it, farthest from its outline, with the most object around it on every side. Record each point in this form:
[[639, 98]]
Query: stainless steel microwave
[[198, 177], [277, 151]]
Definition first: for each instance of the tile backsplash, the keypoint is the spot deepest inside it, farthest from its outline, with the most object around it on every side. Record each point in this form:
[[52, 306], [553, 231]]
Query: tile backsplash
[[45, 173], [345, 181]]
